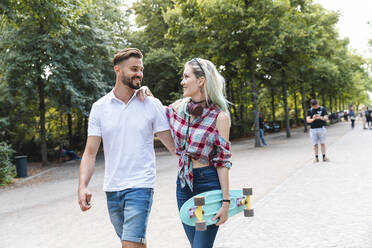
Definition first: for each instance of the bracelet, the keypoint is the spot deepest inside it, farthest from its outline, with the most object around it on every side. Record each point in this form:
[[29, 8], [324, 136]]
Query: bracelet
[[225, 200]]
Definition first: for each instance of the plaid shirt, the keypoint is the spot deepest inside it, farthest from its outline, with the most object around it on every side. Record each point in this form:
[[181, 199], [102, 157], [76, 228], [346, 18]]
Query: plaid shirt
[[204, 143]]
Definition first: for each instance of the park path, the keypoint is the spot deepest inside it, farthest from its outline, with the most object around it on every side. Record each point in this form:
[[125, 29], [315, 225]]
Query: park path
[[320, 205], [297, 203]]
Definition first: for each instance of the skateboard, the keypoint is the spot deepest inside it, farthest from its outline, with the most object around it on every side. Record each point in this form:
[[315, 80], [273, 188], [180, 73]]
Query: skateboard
[[200, 210]]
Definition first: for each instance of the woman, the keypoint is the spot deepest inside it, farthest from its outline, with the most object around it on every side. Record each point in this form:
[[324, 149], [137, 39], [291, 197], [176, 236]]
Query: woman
[[201, 140], [200, 125]]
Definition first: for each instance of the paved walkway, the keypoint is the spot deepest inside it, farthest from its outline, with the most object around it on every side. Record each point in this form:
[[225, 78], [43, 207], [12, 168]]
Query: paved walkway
[[320, 205], [297, 203]]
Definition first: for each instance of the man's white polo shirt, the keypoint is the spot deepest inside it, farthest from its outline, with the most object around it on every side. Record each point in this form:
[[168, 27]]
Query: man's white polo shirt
[[127, 132]]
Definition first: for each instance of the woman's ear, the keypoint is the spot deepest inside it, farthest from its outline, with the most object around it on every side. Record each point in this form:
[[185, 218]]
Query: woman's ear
[[201, 82]]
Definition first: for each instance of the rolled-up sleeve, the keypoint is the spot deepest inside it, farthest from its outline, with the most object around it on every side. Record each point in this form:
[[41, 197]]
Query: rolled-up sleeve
[[223, 152]]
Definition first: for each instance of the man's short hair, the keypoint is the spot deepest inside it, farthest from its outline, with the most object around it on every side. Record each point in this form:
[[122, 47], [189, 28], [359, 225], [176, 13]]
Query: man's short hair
[[126, 54], [313, 102]]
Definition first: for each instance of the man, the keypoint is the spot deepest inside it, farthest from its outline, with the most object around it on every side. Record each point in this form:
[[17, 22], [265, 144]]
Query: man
[[261, 128], [317, 117], [363, 116], [126, 126], [368, 117]]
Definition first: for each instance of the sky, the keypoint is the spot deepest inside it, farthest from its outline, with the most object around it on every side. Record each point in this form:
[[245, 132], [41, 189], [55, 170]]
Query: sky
[[353, 22]]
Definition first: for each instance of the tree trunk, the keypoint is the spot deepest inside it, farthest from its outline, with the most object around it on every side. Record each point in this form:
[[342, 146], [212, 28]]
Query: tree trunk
[[273, 103], [44, 153], [241, 102], [330, 104], [69, 122], [285, 102], [343, 104], [323, 100], [257, 141], [295, 105], [232, 99], [41, 91], [304, 110], [79, 128], [313, 91], [339, 104]]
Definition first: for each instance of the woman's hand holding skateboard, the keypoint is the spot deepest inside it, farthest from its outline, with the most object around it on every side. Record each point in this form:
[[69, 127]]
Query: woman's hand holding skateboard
[[222, 214]]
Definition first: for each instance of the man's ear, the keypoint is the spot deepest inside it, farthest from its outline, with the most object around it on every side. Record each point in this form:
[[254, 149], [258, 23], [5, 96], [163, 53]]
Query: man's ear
[[116, 68]]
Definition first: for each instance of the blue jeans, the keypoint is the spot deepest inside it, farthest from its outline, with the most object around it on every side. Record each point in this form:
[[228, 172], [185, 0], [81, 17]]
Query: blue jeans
[[205, 179], [262, 136], [129, 210]]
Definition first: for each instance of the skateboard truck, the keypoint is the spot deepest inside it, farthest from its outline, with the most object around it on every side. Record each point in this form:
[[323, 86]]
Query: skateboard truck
[[200, 224], [192, 212], [248, 212]]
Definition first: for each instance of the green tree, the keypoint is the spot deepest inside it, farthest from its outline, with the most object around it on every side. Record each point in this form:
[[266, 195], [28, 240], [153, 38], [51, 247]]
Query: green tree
[[56, 61], [231, 34], [163, 64], [28, 54]]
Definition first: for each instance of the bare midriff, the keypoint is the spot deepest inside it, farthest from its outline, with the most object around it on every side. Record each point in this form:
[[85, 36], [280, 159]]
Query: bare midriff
[[197, 164]]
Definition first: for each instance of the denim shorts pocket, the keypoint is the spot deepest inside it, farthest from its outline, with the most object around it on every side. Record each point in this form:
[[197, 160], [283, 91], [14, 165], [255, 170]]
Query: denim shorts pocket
[[112, 197]]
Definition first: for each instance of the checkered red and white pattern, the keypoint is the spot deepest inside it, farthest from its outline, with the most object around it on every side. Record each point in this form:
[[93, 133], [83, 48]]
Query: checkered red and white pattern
[[204, 143]]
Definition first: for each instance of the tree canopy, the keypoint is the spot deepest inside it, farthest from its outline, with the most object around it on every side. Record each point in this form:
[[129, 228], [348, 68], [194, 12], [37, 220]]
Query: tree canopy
[[275, 55]]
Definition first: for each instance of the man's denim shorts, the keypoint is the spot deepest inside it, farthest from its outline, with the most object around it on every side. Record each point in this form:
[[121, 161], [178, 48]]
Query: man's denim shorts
[[129, 210], [318, 135]]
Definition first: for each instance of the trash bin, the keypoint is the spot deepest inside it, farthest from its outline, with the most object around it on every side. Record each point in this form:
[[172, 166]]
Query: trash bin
[[21, 165]]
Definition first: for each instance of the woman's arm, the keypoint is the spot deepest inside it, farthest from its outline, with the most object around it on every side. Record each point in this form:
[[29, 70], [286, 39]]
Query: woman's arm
[[223, 127]]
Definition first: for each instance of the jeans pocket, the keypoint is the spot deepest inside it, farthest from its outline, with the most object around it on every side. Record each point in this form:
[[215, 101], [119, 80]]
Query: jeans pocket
[[207, 180], [208, 172]]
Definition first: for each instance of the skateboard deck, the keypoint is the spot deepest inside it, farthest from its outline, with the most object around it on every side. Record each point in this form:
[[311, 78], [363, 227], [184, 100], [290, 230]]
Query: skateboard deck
[[200, 210]]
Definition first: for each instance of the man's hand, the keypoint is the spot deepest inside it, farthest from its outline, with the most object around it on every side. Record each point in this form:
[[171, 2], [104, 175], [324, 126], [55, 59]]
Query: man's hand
[[143, 92], [84, 199]]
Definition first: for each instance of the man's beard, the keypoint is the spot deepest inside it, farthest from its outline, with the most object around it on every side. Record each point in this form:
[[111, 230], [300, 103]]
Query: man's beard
[[129, 82]]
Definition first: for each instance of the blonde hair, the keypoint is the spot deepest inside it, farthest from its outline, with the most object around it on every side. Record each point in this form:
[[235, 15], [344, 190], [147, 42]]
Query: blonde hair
[[214, 86]]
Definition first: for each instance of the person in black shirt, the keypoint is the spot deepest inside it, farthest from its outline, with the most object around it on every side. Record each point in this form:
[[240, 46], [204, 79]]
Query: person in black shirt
[[368, 117], [352, 117], [261, 127], [317, 117]]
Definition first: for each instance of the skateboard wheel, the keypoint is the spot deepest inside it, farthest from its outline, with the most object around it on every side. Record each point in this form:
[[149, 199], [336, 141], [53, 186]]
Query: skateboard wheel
[[201, 225], [248, 212], [199, 200], [247, 191]]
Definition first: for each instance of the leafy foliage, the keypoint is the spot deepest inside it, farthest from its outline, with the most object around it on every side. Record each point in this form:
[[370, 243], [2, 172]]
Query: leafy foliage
[[274, 54], [7, 169]]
